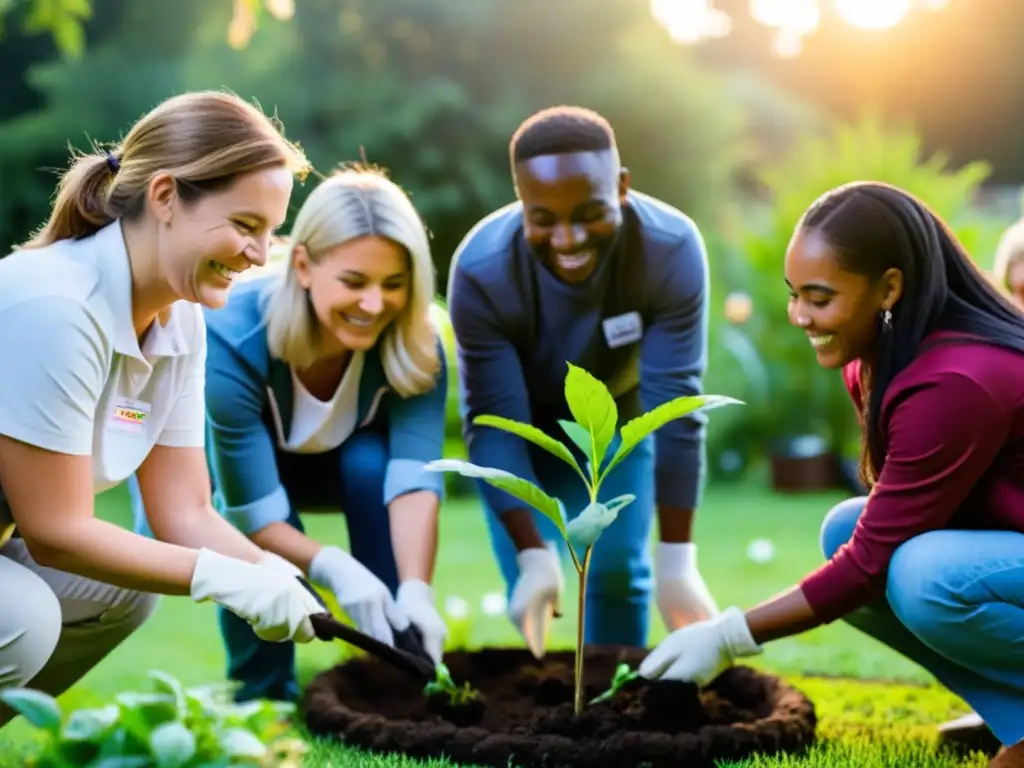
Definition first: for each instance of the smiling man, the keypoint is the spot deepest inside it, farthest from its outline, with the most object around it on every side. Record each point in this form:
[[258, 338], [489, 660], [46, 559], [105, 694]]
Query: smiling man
[[583, 269]]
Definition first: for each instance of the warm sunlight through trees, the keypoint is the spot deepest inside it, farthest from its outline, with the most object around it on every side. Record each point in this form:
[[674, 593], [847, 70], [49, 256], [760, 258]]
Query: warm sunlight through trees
[[692, 21], [687, 21]]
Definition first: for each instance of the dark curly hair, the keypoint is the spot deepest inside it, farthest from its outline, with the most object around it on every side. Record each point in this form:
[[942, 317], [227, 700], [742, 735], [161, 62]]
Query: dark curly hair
[[560, 130]]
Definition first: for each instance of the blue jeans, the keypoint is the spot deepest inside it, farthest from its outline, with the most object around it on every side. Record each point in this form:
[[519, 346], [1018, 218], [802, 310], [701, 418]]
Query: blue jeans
[[351, 478], [954, 603], [620, 579]]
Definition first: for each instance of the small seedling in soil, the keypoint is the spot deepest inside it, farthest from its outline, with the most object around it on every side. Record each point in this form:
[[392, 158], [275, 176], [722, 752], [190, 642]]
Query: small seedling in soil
[[443, 685], [623, 676], [462, 705], [593, 431]]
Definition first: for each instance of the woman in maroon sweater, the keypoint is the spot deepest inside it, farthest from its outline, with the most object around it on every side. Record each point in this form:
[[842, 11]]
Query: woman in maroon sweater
[[931, 563]]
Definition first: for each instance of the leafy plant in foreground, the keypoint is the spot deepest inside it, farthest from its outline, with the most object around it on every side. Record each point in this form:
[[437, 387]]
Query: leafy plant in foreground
[[172, 727], [593, 431]]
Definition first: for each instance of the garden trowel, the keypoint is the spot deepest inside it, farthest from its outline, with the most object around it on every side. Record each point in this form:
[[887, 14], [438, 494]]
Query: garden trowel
[[408, 653]]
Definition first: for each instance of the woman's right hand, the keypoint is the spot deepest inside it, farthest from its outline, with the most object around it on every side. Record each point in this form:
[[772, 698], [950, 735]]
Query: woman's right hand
[[275, 603], [364, 597]]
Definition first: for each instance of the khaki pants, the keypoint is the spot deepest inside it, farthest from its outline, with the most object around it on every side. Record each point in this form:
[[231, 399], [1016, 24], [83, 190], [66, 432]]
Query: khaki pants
[[55, 626]]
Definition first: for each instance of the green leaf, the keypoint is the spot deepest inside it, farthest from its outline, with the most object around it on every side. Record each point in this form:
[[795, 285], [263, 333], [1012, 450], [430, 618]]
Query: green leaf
[[141, 713], [578, 435], [238, 742], [528, 432], [584, 530], [635, 430], [523, 490], [594, 409], [172, 744], [170, 685], [39, 708], [614, 505], [90, 724], [123, 761]]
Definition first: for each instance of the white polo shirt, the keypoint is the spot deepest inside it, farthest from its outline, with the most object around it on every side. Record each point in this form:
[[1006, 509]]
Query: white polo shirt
[[75, 379]]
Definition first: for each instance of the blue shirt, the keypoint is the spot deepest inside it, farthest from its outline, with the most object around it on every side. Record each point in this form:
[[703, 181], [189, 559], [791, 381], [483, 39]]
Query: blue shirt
[[516, 326], [249, 409]]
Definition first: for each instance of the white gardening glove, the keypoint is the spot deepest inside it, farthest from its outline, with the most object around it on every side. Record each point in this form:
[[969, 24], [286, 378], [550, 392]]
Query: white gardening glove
[[365, 598], [682, 595], [416, 600], [277, 563], [698, 653], [536, 596], [276, 605]]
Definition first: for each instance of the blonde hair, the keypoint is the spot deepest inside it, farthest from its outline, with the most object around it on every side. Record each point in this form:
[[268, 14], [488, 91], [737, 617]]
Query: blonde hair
[[358, 201], [1009, 251], [203, 139]]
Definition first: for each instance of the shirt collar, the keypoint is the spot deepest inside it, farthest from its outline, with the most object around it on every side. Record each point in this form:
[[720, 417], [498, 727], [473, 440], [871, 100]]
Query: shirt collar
[[162, 340]]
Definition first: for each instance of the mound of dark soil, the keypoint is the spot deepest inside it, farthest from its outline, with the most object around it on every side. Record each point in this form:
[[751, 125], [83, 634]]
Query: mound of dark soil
[[524, 715]]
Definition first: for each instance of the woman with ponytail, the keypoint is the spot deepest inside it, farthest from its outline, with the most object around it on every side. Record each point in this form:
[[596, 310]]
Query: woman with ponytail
[[103, 339], [931, 562], [326, 388]]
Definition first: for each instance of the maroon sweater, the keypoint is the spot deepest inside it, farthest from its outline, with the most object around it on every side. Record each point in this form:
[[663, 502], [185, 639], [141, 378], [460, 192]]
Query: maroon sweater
[[953, 425]]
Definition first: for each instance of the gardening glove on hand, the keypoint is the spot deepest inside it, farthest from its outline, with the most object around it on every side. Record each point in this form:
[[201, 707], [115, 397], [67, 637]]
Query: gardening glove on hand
[[276, 604], [683, 597], [698, 653], [277, 563], [365, 598], [416, 600], [536, 596]]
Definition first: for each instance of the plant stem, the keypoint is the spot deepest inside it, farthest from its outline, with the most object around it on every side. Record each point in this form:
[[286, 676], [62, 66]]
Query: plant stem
[[580, 626]]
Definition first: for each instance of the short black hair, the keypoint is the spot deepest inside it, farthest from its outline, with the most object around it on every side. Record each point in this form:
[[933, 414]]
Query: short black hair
[[561, 130]]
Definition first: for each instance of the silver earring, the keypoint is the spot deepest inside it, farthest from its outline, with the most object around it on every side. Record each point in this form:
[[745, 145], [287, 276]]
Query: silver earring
[[887, 318]]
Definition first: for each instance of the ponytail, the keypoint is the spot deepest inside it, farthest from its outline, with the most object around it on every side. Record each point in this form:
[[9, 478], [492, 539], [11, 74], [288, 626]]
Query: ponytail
[[203, 140], [81, 206]]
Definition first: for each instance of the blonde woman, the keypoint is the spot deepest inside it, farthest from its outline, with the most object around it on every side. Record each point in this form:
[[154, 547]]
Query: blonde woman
[[1008, 267], [326, 387], [104, 346]]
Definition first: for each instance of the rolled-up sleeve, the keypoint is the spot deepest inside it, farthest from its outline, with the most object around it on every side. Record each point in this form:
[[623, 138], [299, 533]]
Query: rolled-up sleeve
[[57, 358], [248, 489], [416, 437], [673, 359]]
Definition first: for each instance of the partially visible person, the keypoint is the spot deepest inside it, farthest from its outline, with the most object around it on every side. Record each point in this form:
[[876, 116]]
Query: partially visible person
[[104, 344], [931, 562], [326, 388], [586, 270], [1008, 266]]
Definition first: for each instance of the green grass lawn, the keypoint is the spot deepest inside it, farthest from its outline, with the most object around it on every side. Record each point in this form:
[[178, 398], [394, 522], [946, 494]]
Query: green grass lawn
[[875, 707]]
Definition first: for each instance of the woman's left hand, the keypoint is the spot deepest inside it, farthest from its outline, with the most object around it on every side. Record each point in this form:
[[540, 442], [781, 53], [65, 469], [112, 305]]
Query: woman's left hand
[[698, 653], [416, 599]]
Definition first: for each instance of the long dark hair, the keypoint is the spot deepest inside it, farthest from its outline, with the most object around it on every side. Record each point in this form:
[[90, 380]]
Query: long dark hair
[[874, 227]]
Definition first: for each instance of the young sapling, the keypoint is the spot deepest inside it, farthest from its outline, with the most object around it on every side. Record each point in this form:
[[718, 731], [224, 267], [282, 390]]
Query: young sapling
[[594, 432]]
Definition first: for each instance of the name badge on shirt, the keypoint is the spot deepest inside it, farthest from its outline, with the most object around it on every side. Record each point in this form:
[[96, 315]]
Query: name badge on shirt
[[129, 416], [623, 329]]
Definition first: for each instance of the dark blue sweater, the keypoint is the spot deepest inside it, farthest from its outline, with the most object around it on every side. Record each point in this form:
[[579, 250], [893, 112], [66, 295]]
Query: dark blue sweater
[[516, 325]]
